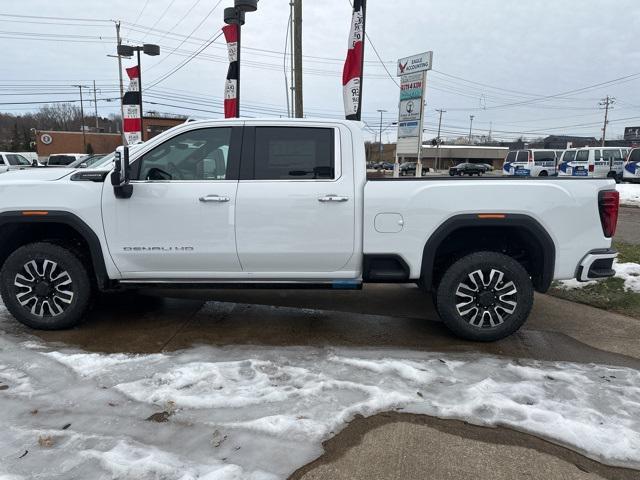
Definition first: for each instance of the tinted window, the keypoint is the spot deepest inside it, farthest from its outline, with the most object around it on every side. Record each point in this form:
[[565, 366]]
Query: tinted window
[[569, 156], [523, 156], [612, 155], [294, 153], [195, 155], [15, 159], [582, 156], [544, 156], [61, 160], [511, 157], [635, 156]]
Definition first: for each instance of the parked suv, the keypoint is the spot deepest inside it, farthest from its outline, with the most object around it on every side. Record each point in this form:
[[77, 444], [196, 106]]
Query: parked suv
[[530, 163], [470, 169]]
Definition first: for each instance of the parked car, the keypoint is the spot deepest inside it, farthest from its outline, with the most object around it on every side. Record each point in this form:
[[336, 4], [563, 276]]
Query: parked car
[[384, 166], [470, 169], [63, 159], [530, 163], [409, 168], [153, 218], [488, 167], [632, 167], [13, 161], [594, 162]]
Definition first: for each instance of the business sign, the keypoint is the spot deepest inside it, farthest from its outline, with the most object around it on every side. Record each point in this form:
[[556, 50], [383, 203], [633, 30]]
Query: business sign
[[46, 139], [632, 133], [416, 63]]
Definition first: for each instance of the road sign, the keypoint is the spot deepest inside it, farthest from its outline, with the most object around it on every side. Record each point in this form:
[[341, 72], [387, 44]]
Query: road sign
[[416, 63]]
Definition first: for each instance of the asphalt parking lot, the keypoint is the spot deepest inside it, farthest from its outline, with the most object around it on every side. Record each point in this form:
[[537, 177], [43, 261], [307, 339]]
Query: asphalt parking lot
[[388, 445]]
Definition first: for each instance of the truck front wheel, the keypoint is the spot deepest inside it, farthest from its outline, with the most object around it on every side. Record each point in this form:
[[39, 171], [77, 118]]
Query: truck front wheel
[[45, 286], [484, 296]]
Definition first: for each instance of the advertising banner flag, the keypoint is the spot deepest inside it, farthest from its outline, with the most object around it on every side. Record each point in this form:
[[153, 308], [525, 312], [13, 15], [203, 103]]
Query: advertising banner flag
[[131, 121], [353, 66], [231, 86]]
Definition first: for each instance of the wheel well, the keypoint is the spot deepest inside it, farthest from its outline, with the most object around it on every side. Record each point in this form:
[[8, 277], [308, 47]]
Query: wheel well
[[16, 232], [524, 241]]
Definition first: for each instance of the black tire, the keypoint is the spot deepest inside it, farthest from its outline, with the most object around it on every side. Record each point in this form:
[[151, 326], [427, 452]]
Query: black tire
[[46, 286], [544, 173], [504, 301]]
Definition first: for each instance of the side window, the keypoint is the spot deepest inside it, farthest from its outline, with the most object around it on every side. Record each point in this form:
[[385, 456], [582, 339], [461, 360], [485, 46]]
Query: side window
[[598, 155], [294, 153], [511, 157], [523, 156], [196, 155], [544, 156], [582, 156], [635, 156], [15, 159]]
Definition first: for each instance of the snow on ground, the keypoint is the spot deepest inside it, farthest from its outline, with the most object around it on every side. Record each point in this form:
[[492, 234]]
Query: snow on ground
[[629, 272], [629, 193], [260, 413]]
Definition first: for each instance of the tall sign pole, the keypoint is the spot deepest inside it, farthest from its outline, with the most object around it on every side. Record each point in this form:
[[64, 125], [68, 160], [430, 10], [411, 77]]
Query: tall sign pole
[[297, 53], [352, 74], [413, 75]]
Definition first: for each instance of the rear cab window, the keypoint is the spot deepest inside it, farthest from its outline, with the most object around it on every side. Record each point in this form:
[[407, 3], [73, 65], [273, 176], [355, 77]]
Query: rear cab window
[[294, 153]]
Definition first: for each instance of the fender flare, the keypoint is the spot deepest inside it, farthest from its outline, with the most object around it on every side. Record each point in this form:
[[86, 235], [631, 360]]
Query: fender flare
[[531, 225], [73, 221]]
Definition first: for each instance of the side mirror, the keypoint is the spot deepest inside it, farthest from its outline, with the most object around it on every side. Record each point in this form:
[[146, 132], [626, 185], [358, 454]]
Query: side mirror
[[83, 165], [122, 174]]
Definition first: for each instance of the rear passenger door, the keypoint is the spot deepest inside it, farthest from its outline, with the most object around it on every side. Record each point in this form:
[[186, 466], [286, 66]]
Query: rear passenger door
[[296, 206]]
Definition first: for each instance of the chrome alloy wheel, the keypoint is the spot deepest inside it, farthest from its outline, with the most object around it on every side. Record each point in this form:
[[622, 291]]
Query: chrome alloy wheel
[[485, 300], [44, 288]]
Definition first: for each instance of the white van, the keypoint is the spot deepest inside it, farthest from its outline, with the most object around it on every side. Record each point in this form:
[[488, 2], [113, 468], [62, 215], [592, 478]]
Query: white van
[[530, 163], [632, 167], [596, 162]]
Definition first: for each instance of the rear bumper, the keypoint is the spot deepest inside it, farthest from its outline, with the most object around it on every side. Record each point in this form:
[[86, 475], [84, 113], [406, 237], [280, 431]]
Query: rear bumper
[[597, 264]]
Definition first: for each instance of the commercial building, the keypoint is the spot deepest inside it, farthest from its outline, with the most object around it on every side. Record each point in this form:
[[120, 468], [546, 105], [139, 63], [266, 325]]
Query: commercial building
[[49, 142]]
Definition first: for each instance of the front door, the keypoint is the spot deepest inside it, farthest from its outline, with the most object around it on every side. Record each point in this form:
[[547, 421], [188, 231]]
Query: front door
[[180, 221], [296, 205]]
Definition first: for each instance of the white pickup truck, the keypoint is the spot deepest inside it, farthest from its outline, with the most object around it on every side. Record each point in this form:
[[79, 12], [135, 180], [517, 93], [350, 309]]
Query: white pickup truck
[[287, 204]]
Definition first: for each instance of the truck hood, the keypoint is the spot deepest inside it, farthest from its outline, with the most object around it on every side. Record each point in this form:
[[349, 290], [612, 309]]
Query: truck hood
[[42, 174]]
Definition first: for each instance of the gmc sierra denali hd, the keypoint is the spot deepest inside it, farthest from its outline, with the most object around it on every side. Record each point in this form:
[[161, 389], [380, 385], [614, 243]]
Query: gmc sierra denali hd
[[286, 204]]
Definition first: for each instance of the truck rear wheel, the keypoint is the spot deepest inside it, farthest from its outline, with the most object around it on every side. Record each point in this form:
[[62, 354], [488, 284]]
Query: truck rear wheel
[[484, 297], [45, 286]]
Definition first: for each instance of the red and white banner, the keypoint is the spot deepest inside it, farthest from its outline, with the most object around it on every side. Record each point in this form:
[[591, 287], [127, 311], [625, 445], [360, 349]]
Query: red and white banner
[[352, 72], [231, 109], [131, 121]]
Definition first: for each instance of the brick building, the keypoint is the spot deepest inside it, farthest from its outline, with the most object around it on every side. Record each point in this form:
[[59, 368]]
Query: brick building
[[50, 142]]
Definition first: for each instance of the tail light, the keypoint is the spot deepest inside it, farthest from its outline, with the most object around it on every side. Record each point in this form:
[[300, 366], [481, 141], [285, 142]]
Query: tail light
[[592, 167], [530, 160], [608, 204]]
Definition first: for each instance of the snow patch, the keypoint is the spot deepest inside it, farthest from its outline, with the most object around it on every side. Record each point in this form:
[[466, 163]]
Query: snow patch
[[629, 194]]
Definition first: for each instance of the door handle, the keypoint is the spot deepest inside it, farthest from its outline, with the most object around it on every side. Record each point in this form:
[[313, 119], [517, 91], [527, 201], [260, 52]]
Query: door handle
[[333, 198], [214, 198]]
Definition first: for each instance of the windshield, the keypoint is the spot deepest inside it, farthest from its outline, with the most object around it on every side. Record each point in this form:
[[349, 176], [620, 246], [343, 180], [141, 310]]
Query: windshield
[[88, 161], [15, 159]]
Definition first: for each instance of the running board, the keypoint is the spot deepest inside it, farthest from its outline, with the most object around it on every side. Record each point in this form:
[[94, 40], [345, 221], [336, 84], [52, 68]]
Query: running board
[[247, 285]]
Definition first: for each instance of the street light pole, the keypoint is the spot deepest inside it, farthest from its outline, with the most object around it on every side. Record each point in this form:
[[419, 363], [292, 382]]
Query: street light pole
[[440, 111], [471, 117], [380, 147]]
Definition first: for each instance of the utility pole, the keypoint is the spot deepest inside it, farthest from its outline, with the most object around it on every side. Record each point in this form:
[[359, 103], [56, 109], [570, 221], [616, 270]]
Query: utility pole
[[440, 111], [471, 117], [84, 138], [95, 104], [380, 151], [297, 54], [607, 103], [292, 91], [119, 42]]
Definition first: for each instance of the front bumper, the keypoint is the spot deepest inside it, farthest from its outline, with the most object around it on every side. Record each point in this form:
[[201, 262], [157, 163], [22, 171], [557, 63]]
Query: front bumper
[[596, 265]]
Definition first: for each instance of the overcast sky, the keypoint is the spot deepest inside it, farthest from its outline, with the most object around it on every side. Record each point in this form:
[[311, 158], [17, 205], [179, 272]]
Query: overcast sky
[[520, 51]]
